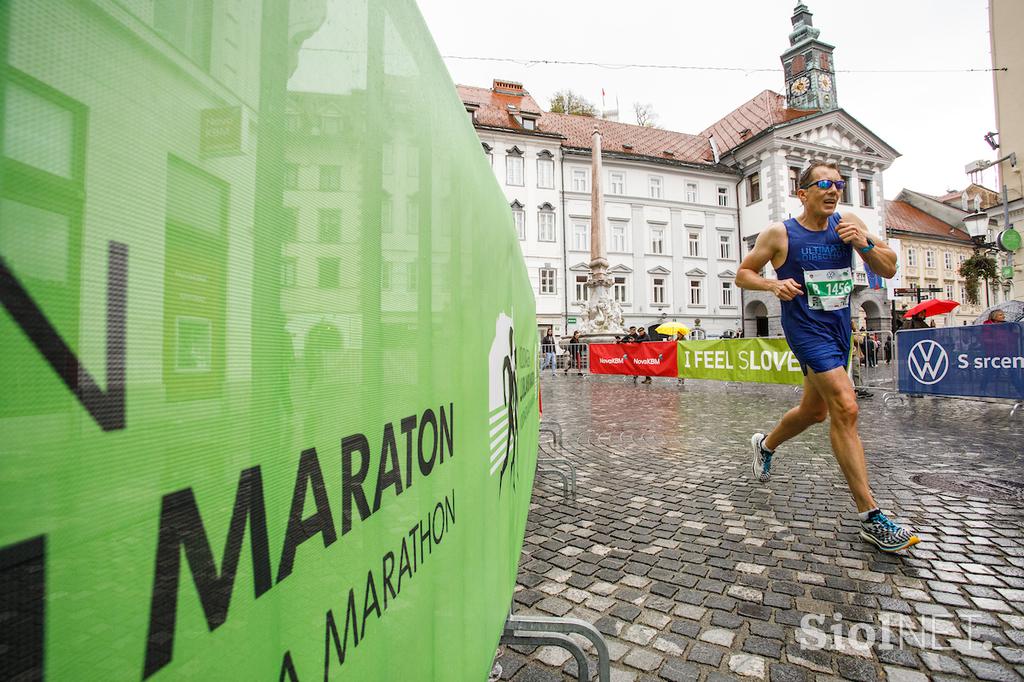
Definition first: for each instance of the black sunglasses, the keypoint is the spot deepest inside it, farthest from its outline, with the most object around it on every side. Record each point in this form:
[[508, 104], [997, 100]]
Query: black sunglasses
[[825, 184]]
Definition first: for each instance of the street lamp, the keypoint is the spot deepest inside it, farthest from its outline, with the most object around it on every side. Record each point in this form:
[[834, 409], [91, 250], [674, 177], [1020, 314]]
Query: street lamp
[[977, 228], [1008, 240]]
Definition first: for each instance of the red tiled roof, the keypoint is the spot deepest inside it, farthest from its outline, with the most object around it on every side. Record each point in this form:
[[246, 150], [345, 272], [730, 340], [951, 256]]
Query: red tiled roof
[[493, 106], [578, 130], [900, 215], [641, 140], [760, 113], [755, 116]]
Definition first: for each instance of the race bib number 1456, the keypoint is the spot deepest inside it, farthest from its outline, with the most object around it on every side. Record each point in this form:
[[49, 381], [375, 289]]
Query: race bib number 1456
[[828, 289]]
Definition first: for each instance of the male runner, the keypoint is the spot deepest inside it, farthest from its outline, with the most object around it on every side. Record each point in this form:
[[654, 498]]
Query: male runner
[[812, 255]]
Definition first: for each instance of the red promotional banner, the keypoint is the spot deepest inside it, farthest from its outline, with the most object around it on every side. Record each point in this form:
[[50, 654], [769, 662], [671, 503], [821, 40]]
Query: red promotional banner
[[656, 359]]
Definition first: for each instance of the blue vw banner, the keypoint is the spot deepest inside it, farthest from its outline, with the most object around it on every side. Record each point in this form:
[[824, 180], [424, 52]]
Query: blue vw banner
[[983, 360]]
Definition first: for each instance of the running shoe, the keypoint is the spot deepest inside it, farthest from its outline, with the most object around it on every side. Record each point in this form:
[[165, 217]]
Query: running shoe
[[761, 466], [883, 533]]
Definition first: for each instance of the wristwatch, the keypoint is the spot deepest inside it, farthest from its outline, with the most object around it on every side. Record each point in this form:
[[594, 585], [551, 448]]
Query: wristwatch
[[867, 248]]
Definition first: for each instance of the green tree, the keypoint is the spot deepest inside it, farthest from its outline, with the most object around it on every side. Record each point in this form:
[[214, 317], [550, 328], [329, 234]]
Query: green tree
[[569, 102], [973, 270]]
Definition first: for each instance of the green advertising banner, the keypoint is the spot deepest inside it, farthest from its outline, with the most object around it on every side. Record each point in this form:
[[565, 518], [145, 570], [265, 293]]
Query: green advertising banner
[[758, 360], [267, 348]]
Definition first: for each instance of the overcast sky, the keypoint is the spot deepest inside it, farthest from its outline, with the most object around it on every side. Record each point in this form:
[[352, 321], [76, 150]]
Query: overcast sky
[[935, 120]]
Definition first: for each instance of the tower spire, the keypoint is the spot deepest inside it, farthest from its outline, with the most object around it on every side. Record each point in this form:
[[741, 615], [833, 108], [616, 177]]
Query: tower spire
[[808, 65]]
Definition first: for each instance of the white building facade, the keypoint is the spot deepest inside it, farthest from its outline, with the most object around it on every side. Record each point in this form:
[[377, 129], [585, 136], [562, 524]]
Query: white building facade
[[680, 210], [527, 164], [672, 253]]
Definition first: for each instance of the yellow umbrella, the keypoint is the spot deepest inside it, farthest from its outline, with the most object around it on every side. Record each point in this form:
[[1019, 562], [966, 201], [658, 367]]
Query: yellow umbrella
[[670, 328]]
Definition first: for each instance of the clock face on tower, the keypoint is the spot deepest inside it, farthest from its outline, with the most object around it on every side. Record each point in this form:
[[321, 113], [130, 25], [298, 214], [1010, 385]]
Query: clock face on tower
[[824, 82], [800, 85]]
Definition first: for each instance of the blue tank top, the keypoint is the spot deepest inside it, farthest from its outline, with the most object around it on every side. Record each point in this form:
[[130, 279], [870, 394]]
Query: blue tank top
[[818, 321]]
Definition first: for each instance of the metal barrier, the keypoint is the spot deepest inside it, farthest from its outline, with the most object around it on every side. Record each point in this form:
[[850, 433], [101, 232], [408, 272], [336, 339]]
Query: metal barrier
[[946, 351], [556, 465], [577, 359], [874, 360], [549, 631], [548, 359], [573, 359]]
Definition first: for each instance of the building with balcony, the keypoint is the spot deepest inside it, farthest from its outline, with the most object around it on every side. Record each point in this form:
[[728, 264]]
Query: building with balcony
[[933, 244]]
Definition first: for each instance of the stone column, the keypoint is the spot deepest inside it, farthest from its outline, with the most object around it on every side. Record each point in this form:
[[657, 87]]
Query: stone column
[[603, 315], [598, 262]]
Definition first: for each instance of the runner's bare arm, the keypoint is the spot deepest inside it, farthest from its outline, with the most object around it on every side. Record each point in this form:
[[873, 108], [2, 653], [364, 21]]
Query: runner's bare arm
[[766, 248], [881, 259]]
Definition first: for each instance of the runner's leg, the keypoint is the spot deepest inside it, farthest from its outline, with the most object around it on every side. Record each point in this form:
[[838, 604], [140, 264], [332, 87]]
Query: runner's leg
[[811, 410], [834, 387]]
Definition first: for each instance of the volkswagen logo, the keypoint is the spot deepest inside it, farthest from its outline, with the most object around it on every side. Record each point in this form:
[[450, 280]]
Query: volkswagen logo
[[928, 362]]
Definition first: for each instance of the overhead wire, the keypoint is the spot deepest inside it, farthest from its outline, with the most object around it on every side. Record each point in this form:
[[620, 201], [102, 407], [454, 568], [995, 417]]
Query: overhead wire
[[686, 67]]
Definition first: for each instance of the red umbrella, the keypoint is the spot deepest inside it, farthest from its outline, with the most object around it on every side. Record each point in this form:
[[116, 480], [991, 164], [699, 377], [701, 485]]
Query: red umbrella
[[933, 306]]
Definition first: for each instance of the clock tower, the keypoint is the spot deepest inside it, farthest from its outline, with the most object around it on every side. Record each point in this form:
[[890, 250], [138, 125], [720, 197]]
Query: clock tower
[[810, 71]]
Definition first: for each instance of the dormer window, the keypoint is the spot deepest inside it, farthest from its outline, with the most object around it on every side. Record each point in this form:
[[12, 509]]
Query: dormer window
[[529, 123]]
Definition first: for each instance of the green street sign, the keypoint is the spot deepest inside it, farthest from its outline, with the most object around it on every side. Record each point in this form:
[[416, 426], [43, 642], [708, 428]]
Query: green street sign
[[571, 320], [268, 415], [1007, 272], [1009, 240]]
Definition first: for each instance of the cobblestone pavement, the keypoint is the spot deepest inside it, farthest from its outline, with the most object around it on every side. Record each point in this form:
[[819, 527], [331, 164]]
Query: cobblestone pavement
[[692, 570]]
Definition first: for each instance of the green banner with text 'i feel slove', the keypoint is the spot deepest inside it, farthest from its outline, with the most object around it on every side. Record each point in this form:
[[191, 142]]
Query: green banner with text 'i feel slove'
[[269, 403], [757, 360]]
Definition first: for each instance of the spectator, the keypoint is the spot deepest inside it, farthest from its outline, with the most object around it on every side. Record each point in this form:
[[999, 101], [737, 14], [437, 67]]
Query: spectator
[[858, 354], [575, 354], [872, 348], [547, 348], [995, 317], [916, 322], [888, 350], [858, 347], [641, 337], [681, 337]]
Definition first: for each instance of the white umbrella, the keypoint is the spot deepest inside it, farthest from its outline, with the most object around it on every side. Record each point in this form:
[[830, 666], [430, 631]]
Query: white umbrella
[[1014, 311]]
